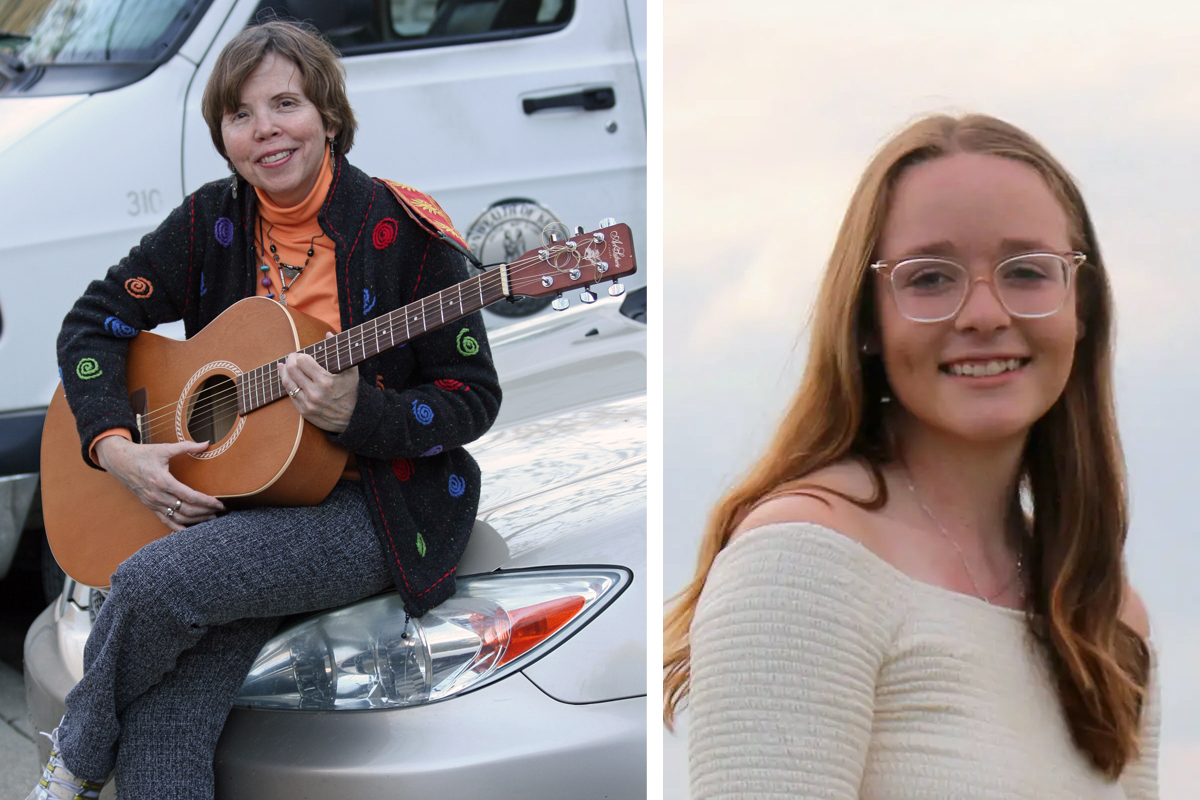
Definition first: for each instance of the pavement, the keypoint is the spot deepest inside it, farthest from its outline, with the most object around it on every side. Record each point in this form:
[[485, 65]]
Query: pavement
[[19, 767]]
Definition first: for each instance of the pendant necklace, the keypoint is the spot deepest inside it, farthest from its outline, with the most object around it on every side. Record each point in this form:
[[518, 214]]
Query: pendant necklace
[[288, 273], [989, 599]]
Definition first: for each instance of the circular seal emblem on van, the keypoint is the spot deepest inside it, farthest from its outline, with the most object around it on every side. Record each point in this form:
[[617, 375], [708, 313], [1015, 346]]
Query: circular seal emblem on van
[[506, 230]]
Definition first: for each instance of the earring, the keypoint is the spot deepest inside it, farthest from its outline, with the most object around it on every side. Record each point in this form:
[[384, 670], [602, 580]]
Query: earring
[[233, 184], [331, 149]]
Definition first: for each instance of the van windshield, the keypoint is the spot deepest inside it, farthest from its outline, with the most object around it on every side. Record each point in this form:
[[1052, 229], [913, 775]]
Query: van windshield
[[87, 31]]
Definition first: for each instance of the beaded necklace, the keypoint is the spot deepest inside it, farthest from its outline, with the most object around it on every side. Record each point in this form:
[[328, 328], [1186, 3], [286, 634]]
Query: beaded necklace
[[288, 273]]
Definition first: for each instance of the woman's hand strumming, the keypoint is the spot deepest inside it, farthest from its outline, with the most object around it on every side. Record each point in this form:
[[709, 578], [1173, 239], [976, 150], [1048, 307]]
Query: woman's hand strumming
[[324, 399], [143, 469]]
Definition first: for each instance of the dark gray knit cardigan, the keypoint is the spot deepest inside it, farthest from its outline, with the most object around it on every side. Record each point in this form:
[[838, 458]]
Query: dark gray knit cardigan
[[417, 404]]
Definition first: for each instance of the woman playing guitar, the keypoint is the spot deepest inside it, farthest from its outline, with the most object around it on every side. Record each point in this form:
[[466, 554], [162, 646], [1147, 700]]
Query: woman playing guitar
[[295, 224]]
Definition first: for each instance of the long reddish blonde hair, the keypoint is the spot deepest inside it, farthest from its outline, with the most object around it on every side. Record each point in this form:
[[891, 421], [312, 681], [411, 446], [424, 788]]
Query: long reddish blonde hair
[[1072, 466]]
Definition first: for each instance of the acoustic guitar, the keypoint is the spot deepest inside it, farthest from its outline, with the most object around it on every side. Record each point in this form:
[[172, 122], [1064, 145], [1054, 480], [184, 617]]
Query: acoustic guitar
[[221, 386]]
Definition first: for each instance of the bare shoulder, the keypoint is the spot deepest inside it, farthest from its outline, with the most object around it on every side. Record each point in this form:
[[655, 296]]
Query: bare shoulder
[[1133, 612], [816, 499]]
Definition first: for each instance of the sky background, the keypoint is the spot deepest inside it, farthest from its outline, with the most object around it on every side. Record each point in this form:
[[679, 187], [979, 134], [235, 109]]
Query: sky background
[[771, 112]]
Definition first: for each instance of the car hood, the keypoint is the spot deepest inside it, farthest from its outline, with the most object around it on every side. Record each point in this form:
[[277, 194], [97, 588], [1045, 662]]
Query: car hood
[[564, 470], [21, 116]]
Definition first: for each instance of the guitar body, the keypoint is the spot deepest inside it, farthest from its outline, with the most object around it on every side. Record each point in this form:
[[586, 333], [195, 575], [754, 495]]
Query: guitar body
[[185, 392]]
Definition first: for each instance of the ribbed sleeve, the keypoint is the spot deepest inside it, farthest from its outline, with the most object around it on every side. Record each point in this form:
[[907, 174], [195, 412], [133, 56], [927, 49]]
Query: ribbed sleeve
[[788, 639]]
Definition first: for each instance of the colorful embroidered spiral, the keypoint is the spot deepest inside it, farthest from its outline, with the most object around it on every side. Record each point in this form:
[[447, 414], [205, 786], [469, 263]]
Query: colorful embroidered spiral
[[433, 451], [402, 468], [384, 233], [139, 288], [87, 369], [457, 486], [420, 545], [223, 230], [119, 328], [422, 412], [467, 344]]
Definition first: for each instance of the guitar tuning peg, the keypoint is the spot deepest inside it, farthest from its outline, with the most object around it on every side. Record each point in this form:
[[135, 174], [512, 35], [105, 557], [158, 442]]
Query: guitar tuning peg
[[607, 222], [587, 296], [579, 230], [561, 303], [616, 290]]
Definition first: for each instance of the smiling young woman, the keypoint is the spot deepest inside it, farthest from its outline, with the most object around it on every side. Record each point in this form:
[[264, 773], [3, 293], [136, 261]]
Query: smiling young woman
[[946, 487]]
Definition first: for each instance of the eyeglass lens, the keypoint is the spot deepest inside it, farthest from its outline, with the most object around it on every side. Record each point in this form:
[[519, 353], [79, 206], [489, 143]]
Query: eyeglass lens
[[930, 289]]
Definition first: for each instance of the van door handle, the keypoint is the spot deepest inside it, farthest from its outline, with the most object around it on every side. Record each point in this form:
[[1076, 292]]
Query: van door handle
[[588, 100]]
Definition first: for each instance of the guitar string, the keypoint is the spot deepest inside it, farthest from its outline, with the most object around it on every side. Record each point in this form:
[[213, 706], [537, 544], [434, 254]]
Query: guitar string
[[227, 398], [265, 382], [345, 346], [269, 383]]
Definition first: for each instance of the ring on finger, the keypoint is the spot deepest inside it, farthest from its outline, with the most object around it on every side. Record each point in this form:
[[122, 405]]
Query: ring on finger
[[170, 512], [292, 393]]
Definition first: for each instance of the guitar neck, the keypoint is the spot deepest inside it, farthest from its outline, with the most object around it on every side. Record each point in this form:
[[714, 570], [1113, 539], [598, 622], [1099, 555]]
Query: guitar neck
[[261, 385]]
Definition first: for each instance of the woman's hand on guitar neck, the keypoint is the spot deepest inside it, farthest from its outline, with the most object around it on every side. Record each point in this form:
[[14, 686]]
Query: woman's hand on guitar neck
[[144, 470], [324, 399]]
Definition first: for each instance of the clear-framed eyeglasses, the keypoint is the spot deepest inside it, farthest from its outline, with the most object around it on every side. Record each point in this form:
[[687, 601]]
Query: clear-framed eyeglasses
[[1029, 285]]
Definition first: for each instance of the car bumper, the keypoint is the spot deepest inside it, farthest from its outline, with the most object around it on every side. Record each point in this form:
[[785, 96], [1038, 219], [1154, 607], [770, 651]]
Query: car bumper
[[508, 739]]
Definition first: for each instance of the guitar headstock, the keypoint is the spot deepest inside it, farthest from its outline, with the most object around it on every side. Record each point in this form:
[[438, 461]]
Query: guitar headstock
[[583, 260]]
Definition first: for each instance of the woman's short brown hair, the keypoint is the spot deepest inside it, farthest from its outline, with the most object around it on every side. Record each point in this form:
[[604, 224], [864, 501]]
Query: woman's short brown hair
[[320, 69]]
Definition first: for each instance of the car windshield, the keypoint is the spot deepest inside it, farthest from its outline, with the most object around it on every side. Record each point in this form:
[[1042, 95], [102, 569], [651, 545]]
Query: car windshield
[[87, 31]]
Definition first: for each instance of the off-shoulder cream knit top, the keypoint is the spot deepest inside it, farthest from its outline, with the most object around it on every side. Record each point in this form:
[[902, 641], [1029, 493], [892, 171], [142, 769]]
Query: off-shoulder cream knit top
[[821, 671]]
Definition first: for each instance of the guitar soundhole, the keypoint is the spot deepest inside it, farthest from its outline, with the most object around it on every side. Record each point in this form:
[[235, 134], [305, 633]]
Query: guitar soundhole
[[212, 412]]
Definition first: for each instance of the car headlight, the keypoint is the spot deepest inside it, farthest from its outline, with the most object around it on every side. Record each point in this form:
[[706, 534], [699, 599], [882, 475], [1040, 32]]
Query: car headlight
[[371, 655]]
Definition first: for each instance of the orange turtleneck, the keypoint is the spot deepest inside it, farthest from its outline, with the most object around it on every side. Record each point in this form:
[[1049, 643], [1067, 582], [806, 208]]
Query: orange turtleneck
[[294, 231]]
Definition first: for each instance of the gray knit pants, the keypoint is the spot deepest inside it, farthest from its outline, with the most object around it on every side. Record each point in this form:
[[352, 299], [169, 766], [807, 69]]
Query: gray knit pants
[[183, 622]]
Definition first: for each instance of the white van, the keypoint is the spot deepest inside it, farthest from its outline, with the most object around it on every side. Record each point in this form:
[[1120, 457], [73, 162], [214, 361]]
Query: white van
[[512, 114]]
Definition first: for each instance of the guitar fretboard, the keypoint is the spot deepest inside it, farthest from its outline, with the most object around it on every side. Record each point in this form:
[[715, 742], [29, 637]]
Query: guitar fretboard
[[261, 385]]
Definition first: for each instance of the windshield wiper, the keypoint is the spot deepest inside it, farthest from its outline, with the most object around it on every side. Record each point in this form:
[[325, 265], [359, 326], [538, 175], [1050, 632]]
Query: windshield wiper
[[10, 66]]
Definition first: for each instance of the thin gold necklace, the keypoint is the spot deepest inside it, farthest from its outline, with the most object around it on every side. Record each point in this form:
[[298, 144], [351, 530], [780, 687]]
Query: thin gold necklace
[[961, 556]]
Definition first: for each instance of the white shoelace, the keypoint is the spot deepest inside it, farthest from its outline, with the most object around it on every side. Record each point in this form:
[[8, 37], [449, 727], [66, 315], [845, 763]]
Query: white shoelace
[[79, 788]]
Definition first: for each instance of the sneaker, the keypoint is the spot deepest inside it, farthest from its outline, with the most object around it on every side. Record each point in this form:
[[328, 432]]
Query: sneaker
[[58, 783]]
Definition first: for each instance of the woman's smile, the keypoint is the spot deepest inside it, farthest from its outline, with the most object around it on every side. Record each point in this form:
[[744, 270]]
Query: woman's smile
[[276, 158], [978, 368]]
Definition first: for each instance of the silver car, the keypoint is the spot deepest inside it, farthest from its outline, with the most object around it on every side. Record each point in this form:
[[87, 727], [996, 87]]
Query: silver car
[[531, 681]]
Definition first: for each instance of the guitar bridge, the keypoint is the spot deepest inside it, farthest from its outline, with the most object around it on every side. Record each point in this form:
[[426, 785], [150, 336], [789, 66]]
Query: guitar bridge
[[140, 404]]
